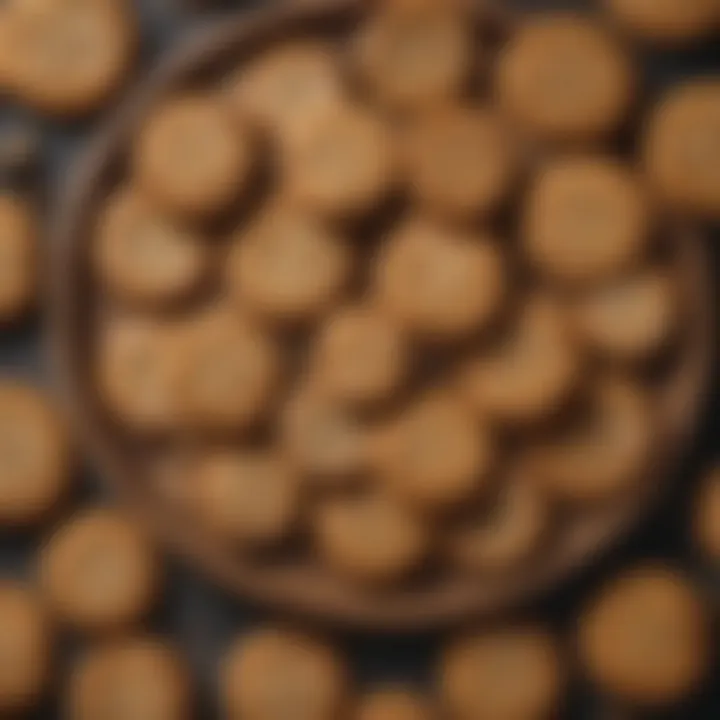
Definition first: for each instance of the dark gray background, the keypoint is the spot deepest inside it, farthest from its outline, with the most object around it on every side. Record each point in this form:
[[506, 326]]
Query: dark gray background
[[201, 619]]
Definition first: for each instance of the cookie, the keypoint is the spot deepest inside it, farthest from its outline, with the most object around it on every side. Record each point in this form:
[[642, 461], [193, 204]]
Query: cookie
[[706, 520], [562, 78], [144, 257], [18, 257], [69, 57], [25, 649], [288, 266], [98, 572], [604, 451], [436, 454], [438, 282], [630, 319], [342, 164], [128, 679], [586, 218], [461, 161], [247, 498], [531, 372], [478, 675], [646, 637], [369, 539], [192, 157], [229, 372], [361, 357], [411, 55], [394, 703], [682, 148], [274, 673], [36, 460]]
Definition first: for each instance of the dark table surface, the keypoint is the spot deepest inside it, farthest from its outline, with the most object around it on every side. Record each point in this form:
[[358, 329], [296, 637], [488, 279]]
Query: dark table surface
[[202, 620]]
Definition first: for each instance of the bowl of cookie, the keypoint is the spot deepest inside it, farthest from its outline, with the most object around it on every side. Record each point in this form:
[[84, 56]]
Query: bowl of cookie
[[370, 312]]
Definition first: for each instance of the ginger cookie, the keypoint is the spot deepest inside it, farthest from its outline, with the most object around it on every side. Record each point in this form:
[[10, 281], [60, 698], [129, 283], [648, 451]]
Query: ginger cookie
[[99, 572], [274, 674], [440, 283], [706, 520], [394, 703], [36, 460], [646, 637], [478, 675], [682, 148], [192, 157], [562, 78]]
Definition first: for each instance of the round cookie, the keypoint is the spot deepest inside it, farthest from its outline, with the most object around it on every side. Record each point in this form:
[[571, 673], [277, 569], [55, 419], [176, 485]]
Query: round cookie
[[706, 520], [273, 674], [98, 572], [288, 266], [531, 373], [360, 357], [25, 649], [192, 157], [247, 498], [18, 257], [36, 460], [682, 148], [341, 164], [414, 54], [646, 637], [631, 319], [562, 78], [369, 539], [461, 161], [129, 679], [394, 703], [440, 283], [586, 218], [144, 257], [478, 675]]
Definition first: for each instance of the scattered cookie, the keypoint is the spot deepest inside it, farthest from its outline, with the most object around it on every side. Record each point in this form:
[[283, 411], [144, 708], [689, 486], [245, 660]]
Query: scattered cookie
[[682, 148], [562, 78], [394, 703], [99, 572], [288, 266], [192, 157], [36, 461], [20, 149], [646, 638], [274, 674], [439, 282], [129, 679], [586, 218], [478, 675], [706, 522], [25, 649]]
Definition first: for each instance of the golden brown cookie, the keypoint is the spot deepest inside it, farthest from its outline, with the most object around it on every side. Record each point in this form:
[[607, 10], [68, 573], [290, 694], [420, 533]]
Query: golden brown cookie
[[274, 674], [69, 57], [361, 357], [461, 161], [36, 461], [646, 637], [436, 454], [414, 54], [129, 679], [99, 572], [586, 218], [18, 257], [25, 649], [394, 703], [562, 78], [247, 498], [370, 539], [341, 164], [533, 370], [192, 157], [288, 266], [145, 257], [440, 283], [682, 148], [478, 675], [706, 520], [630, 319]]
